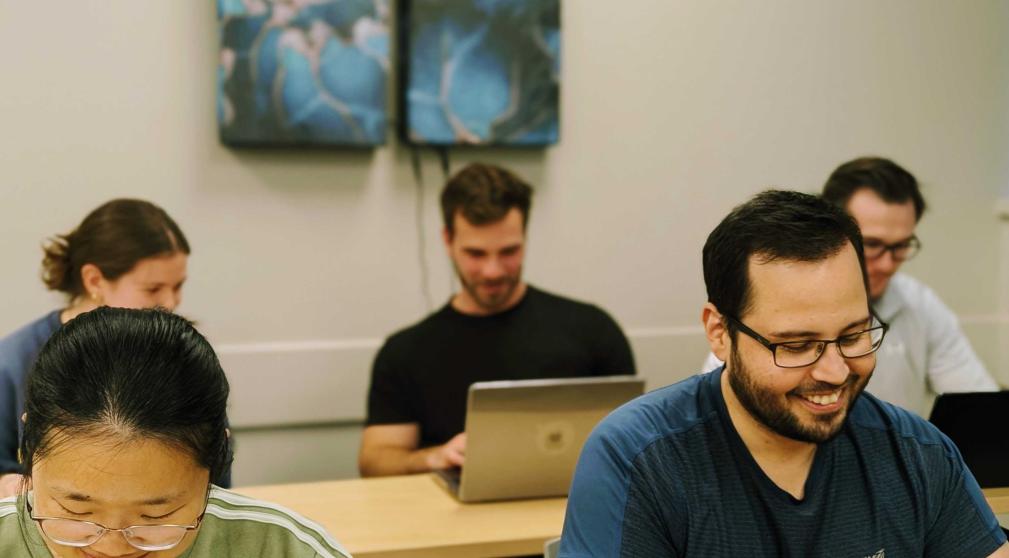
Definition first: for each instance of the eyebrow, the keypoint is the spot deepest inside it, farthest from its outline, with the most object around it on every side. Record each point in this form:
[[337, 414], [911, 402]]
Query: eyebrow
[[877, 239], [160, 283], [80, 497], [794, 334], [71, 495]]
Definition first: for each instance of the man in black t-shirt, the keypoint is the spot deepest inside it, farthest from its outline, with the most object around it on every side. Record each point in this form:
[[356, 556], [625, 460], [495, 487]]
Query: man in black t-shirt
[[496, 327]]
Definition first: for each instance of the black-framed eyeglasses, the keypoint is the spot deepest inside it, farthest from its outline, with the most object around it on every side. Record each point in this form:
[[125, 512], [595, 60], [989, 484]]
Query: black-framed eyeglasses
[[799, 354], [79, 533], [901, 251]]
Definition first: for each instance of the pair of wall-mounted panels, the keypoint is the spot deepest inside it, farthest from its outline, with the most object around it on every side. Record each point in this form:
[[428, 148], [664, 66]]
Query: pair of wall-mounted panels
[[316, 72]]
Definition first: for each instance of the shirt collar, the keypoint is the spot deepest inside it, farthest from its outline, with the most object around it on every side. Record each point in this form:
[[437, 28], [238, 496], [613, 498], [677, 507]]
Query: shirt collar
[[891, 303]]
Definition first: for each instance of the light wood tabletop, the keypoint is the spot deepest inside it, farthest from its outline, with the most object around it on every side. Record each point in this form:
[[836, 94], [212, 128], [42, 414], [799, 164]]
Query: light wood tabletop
[[998, 499], [396, 517]]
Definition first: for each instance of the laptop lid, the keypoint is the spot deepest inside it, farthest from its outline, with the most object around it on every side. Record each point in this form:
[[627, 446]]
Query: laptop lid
[[977, 424], [523, 437]]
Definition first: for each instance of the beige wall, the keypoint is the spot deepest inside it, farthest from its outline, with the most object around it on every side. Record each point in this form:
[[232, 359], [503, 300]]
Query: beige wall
[[673, 112]]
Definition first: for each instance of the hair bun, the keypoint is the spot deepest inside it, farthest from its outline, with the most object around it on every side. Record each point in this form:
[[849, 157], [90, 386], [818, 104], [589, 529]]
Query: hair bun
[[56, 263]]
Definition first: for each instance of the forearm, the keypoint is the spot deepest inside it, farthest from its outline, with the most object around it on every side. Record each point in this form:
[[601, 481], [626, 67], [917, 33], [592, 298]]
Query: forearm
[[387, 461]]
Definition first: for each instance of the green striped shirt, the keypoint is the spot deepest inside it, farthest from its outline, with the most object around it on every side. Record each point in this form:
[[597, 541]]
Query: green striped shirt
[[234, 526]]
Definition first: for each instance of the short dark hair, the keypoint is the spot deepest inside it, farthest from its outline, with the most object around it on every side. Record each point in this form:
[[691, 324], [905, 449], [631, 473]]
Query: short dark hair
[[114, 237], [887, 179], [774, 225], [484, 194], [124, 374]]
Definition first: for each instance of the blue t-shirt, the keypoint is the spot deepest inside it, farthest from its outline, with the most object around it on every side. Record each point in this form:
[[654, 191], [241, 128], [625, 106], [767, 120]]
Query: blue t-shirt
[[668, 475], [17, 356]]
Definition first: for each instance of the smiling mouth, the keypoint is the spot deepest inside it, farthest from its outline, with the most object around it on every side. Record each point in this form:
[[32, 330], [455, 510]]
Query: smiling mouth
[[822, 403], [826, 399]]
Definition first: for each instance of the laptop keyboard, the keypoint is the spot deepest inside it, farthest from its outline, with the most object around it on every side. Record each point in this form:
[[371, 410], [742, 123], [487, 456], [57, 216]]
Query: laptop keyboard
[[452, 477]]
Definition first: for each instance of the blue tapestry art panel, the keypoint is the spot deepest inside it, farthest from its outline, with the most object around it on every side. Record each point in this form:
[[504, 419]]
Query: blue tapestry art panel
[[303, 72], [480, 72]]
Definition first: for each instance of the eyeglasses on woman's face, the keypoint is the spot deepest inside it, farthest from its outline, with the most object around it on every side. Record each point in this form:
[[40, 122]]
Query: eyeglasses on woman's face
[[79, 533]]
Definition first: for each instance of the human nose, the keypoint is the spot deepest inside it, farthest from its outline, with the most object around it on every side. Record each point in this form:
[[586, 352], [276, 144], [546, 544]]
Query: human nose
[[887, 261], [176, 300], [113, 544], [831, 367], [493, 268], [169, 299]]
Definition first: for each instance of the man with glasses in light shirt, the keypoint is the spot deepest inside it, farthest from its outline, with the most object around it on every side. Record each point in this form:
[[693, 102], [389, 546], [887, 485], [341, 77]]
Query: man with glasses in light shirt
[[926, 352]]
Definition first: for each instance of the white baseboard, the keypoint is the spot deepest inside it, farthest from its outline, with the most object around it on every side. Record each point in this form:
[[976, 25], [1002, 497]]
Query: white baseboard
[[326, 382]]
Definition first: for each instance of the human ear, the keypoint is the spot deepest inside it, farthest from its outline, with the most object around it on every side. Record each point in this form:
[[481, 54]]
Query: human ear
[[93, 282], [715, 331]]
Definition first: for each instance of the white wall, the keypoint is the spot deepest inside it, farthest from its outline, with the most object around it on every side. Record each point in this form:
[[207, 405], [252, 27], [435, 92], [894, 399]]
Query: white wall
[[672, 112]]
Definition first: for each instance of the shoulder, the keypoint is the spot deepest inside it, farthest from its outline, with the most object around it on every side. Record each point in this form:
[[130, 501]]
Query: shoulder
[[32, 334], [915, 295], [873, 414], [255, 523], [8, 508], [12, 539], [19, 348], [568, 307], [545, 298], [660, 414], [413, 333], [629, 468]]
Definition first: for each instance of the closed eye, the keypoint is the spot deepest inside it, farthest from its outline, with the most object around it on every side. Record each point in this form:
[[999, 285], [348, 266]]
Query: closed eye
[[156, 517], [71, 512], [798, 346], [853, 339]]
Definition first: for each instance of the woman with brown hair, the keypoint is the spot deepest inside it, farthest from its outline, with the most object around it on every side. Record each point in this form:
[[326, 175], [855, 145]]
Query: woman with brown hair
[[126, 253]]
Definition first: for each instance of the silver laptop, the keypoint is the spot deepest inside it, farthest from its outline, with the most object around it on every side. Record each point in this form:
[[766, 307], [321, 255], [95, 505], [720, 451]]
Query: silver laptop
[[523, 437]]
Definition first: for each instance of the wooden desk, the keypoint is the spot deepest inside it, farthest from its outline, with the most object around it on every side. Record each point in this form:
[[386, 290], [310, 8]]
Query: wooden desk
[[396, 517], [998, 499]]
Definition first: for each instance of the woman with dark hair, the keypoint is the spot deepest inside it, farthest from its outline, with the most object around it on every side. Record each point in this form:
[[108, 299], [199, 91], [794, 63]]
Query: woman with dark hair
[[126, 253], [125, 427]]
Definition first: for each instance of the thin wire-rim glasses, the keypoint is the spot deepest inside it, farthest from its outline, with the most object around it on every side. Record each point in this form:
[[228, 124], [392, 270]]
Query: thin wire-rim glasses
[[900, 251], [134, 534]]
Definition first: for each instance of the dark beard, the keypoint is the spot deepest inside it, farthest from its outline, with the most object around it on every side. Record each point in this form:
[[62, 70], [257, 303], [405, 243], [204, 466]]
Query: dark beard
[[769, 411], [489, 305]]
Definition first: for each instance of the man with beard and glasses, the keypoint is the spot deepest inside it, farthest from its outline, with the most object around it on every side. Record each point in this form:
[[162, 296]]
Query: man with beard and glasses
[[779, 453], [926, 351], [497, 327]]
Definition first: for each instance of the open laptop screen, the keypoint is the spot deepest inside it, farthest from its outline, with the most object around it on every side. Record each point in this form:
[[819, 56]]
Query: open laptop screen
[[978, 423]]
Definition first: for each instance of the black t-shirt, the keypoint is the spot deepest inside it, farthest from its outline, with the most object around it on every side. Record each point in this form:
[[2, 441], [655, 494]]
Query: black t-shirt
[[422, 373]]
